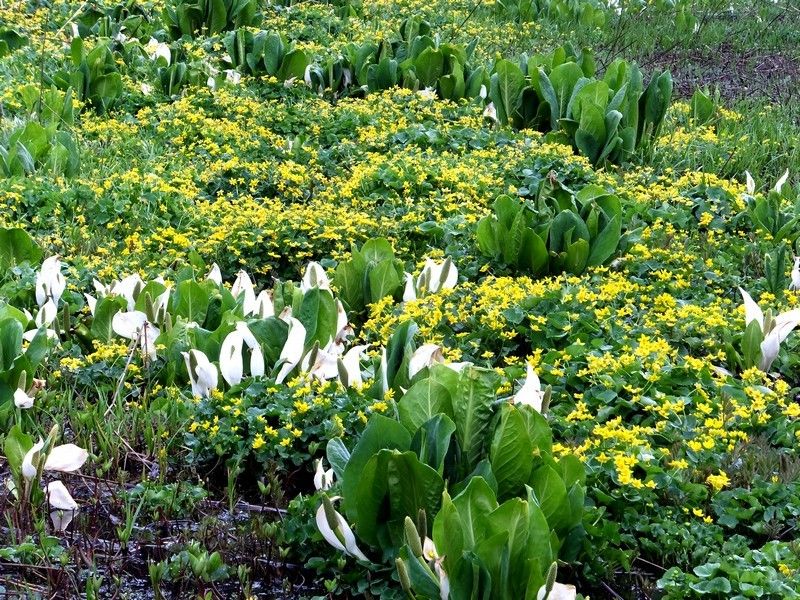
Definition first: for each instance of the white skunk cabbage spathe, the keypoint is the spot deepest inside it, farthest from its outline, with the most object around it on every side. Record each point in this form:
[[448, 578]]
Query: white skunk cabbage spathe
[[156, 50], [243, 286], [264, 307], [314, 277], [214, 274], [531, 393], [128, 287], [349, 366], [62, 503], [750, 184], [292, 352], [425, 356], [66, 458], [781, 181], [795, 276], [231, 362], [203, 373], [559, 592], [133, 325], [323, 479], [409, 292], [773, 329], [335, 529], [437, 276], [50, 283]]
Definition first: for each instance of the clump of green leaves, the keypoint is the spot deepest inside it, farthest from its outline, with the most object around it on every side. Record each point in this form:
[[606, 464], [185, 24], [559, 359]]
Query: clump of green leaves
[[33, 148], [265, 53], [766, 573], [479, 471], [94, 76], [563, 232], [370, 274], [605, 119], [10, 40], [586, 12], [190, 17]]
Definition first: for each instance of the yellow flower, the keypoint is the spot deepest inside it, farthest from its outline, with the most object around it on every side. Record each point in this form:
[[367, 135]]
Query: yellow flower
[[718, 481]]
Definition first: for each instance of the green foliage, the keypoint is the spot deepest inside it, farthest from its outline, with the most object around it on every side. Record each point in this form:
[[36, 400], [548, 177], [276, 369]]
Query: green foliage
[[370, 274], [606, 120], [17, 363], [564, 232], [481, 472], [194, 559], [265, 53], [32, 148], [764, 573], [191, 17], [94, 76], [775, 268], [590, 13], [774, 214], [702, 107], [17, 247], [10, 40]]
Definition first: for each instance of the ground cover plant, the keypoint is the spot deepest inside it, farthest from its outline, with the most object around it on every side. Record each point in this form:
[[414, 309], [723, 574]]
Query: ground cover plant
[[399, 299]]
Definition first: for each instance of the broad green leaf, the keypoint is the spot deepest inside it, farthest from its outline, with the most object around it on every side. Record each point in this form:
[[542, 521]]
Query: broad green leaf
[[470, 578], [511, 453], [318, 315], [15, 447], [577, 257], [551, 495], [10, 343], [448, 532], [294, 65], [429, 66], [271, 334], [381, 432], [426, 398], [474, 504], [506, 208], [431, 441], [494, 553], [103, 314], [338, 455], [563, 79], [506, 86], [751, 344], [605, 244], [392, 486], [513, 242], [397, 351], [273, 53], [218, 16], [533, 254], [349, 281], [377, 250], [544, 86], [540, 550], [512, 518], [17, 247], [423, 580], [37, 348], [590, 138], [472, 409], [383, 280], [9, 312], [572, 470], [487, 238]]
